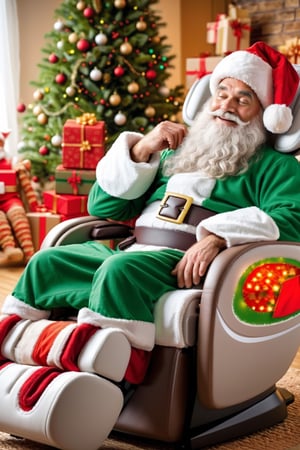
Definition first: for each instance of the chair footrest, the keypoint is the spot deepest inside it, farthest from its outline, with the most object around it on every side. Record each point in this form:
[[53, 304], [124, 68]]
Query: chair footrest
[[70, 414]]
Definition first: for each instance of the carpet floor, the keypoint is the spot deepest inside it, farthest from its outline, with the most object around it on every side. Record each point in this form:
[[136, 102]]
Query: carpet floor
[[284, 436]]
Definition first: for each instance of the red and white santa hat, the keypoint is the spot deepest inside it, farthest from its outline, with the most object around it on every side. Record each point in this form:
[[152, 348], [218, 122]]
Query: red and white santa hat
[[269, 74]]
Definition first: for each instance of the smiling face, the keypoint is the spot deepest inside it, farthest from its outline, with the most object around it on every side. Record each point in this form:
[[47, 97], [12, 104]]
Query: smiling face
[[235, 97]]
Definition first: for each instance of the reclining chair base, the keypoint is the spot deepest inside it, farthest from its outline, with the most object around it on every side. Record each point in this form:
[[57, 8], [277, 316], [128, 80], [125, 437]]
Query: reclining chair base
[[143, 417]]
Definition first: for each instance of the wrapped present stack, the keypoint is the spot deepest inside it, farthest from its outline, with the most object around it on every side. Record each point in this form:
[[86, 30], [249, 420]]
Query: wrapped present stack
[[291, 49], [198, 67], [229, 32], [82, 148]]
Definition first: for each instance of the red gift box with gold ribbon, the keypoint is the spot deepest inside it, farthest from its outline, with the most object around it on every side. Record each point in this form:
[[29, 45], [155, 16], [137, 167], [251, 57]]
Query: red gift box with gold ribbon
[[66, 204], [83, 142]]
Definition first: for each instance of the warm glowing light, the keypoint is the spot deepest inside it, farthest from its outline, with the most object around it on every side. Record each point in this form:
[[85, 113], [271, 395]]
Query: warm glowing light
[[262, 286]]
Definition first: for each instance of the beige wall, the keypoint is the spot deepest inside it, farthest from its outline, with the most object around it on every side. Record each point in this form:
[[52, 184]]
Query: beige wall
[[35, 19]]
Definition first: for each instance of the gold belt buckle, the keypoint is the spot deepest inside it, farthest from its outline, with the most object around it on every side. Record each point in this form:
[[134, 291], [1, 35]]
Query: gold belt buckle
[[174, 207]]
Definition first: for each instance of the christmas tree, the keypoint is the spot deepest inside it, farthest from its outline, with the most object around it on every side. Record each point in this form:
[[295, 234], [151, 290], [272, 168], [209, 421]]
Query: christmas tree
[[106, 58]]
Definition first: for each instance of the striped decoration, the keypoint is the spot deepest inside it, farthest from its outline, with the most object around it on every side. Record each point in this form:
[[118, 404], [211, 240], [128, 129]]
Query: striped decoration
[[44, 342]]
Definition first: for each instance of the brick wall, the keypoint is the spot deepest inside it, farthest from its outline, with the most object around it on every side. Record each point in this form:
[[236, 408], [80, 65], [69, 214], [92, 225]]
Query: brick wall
[[273, 21]]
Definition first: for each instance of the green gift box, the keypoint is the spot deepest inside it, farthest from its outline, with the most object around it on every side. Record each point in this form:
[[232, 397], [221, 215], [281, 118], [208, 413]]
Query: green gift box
[[73, 181]]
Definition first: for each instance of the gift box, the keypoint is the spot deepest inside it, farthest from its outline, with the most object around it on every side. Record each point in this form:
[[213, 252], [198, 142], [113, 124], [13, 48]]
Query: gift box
[[236, 12], [291, 49], [212, 29], [40, 224], [66, 204], [75, 182], [5, 164], [233, 31], [8, 181], [198, 67], [232, 35], [83, 142]]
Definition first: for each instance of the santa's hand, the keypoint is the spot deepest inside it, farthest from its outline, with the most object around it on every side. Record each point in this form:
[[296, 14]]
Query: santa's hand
[[165, 135], [196, 260]]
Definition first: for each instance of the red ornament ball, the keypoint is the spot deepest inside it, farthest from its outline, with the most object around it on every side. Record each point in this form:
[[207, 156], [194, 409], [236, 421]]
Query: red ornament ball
[[151, 74], [83, 45], [88, 12], [119, 71], [60, 78], [53, 58], [35, 178], [43, 150], [21, 108]]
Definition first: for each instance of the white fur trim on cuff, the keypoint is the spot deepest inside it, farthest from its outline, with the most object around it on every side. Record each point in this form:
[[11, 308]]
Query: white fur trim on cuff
[[12, 305], [133, 179], [240, 226], [140, 334]]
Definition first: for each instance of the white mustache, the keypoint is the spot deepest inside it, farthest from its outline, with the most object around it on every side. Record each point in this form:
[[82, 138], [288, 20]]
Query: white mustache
[[228, 116]]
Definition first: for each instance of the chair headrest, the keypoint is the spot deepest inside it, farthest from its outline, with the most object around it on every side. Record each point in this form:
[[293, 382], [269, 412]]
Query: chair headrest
[[199, 93]]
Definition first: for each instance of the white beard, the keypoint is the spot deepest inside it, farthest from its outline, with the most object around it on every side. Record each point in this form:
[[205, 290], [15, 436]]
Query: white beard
[[215, 149]]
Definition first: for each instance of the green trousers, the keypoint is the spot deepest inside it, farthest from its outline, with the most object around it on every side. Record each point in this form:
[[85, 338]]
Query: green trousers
[[114, 283]]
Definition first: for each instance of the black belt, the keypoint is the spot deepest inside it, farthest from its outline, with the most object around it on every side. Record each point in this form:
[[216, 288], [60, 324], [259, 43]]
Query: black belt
[[164, 238], [178, 208], [175, 208]]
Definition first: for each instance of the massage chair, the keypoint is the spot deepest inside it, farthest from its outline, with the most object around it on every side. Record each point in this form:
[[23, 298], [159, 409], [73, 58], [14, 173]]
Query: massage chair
[[219, 350]]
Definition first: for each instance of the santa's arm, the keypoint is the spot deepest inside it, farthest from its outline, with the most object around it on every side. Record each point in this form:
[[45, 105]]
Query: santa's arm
[[119, 176], [240, 226], [276, 214]]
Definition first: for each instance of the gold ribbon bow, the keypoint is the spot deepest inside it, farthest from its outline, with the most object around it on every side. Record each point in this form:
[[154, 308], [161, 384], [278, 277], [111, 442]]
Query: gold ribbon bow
[[85, 145], [87, 119]]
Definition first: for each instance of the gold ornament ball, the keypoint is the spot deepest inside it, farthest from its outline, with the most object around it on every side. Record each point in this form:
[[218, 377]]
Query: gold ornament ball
[[150, 111], [156, 39], [37, 110], [106, 78], [120, 4], [80, 5], [38, 95], [115, 99], [141, 25], [70, 91], [133, 87], [73, 38], [126, 48], [42, 119]]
